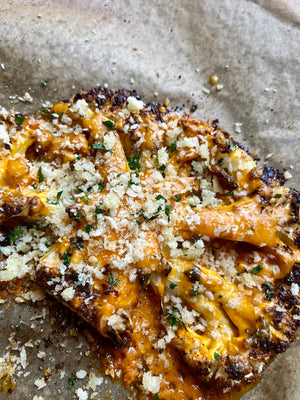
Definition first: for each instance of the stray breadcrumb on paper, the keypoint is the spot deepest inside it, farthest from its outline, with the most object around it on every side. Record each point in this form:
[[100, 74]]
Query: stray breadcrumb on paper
[[27, 97], [40, 383], [81, 394]]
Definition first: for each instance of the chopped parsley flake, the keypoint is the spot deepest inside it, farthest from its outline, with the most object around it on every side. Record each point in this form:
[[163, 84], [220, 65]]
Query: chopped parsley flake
[[55, 201], [109, 124], [44, 81], [15, 234], [173, 147], [177, 198], [79, 215], [162, 169], [172, 285], [76, 246], [134, 162], [40, 175], [131, 182], [160, 197], [89, 228], [232, 146], [156, 397], [217, 356], [86, 198], [167, 211], [100, 146], [277, 196], [71, 381], [228, 194], [256, 269], [173, 318], [101, 187], [19, 327], [66, 258], [113, 281], [99, 210], [148, 219], [19, 120]]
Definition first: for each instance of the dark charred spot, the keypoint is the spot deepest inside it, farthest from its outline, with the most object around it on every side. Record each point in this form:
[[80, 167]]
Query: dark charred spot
[[294, 275], [237, 368], [167, 268], [154, 108], [106, 269], [4, 237], [225, 180], [261, 338], [297, 241], [215, 124], [98, 95], [109, 288], [48, 341], [268, 291], [10, 210], [246, 150], [118, 342], [277, 318], [193, 108], [77, 97], [272, 176], [221, 141], [295, 204], [286, 297], [121, 96], [281, 346], [193, 274]]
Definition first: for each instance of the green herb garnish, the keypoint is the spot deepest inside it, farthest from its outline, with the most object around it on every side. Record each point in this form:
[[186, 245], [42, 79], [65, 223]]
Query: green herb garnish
[[99, 210], [134, 162], [172, 285], [19, 120], [173, 318], [217, 356], [71, 381], [256, 269], [160, 197], [113, 281], [98, 145], [167, 211], [173, 147], [109, 124], [66, 258], [101, 187], [15, 234], [40, 175], [177, 198], [162, 169], [89, 228], [232, 146], [44, 81]]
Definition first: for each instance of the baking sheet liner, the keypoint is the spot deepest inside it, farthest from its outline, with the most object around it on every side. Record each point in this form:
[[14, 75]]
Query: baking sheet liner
[[162, 49]]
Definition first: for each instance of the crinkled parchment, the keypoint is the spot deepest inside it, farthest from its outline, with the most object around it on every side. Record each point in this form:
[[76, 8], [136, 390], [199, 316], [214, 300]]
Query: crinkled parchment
[[163, 49]]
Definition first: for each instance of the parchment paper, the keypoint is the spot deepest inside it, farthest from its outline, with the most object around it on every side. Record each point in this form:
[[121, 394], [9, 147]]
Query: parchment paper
[[163, 49]]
